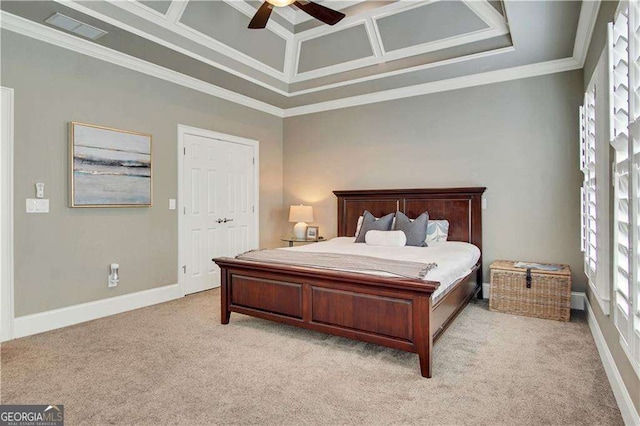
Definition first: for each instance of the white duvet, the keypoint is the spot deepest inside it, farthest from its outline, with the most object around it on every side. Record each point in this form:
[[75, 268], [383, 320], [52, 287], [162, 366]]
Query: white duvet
[[454, 259]]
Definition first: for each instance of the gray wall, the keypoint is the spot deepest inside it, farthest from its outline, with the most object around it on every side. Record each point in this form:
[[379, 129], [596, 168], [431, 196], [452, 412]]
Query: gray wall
[[62, 258], [518, 138], [606, 322]]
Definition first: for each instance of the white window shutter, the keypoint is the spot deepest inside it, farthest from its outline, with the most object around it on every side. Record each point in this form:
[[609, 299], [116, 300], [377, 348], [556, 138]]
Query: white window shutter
[[624, 45]]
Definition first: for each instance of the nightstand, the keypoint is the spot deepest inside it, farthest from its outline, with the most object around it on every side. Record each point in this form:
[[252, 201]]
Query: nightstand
[[293, 240]]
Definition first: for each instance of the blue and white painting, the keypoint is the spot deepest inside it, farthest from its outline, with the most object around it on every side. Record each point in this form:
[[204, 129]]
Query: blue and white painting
[[110, 167]]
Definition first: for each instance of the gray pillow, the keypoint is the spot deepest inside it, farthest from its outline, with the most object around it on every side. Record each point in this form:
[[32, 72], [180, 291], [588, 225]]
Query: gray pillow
[[369, 223], [416, 230]]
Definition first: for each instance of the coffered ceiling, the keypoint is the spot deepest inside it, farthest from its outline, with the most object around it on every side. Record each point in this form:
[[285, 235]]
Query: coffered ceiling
[[298, 64]]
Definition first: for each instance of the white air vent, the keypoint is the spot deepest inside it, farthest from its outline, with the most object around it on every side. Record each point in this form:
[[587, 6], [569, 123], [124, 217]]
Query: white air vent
[[75, 26]]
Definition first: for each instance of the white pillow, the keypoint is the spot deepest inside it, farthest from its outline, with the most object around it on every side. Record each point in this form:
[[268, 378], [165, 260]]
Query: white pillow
[[437, 231], [386, 238]]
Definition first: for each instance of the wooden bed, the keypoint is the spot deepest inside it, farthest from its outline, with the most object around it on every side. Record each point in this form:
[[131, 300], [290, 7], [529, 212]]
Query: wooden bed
[[394, 312]]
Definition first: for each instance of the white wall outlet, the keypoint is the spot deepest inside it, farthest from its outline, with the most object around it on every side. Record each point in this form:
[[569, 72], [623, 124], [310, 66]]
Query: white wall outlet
[[484, 204], [36, 205], [172, 203], [114, 277]]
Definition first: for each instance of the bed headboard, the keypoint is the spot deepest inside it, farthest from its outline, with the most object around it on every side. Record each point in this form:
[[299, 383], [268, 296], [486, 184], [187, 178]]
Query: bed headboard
[[462, 207]]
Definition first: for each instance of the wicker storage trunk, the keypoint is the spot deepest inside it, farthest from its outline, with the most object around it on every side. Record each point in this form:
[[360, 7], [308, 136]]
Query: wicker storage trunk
[[534, 292]]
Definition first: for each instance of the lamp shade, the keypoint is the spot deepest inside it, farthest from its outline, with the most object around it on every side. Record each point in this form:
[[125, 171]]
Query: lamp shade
[[301, 213]]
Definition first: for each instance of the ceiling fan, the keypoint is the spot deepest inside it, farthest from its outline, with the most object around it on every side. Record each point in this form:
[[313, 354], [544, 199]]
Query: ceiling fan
[[321, 13]]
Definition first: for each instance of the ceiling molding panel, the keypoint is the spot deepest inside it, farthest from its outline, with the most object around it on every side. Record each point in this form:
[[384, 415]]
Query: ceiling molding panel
[[158, 6], [340, 47], [225, 24], [168, 24], [423, 24]]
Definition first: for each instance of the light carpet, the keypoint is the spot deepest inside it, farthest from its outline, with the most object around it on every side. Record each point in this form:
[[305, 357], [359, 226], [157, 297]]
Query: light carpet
[[175, 363]]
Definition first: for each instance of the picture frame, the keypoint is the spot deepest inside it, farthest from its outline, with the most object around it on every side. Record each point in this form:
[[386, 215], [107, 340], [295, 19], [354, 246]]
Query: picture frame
[[109, 167], [312, 232]]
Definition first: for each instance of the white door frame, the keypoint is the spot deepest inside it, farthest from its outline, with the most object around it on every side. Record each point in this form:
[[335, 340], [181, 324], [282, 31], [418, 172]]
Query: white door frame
[[188, 130], [6, 216]]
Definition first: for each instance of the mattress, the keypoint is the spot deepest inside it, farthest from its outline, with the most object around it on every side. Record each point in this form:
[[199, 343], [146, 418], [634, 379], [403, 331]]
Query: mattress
[[455, 259]]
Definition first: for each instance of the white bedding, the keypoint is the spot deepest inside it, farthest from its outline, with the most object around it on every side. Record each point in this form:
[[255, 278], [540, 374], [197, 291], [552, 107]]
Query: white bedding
[[455, 259]]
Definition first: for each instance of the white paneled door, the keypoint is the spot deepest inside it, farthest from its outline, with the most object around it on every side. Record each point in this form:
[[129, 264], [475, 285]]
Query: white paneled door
[[218, 184]]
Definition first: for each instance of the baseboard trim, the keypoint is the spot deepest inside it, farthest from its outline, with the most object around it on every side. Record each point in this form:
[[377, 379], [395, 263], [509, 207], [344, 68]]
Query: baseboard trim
[[578, 298], [627, 409], [486, 288], [50, 320]]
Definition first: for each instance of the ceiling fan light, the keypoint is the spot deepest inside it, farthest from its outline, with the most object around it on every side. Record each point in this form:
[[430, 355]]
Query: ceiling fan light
[[280, 3]]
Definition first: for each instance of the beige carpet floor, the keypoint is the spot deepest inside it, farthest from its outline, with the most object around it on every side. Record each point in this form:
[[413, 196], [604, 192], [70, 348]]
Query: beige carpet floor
[[176, 364]]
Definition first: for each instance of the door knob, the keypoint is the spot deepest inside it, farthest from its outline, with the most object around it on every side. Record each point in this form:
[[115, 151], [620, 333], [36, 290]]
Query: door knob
[[220, 220]]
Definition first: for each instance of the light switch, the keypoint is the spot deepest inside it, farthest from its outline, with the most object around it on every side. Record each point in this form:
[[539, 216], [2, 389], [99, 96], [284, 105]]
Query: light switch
[[484, 204], [37, 205], [39, 190], [172, 204]]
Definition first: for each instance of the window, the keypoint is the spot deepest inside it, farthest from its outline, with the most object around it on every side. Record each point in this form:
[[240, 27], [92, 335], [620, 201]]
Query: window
[[624, 59], [589, 202], [594, 164]]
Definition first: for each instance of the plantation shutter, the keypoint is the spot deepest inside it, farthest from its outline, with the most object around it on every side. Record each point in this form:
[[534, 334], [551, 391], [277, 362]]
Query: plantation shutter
[[589, 185], [633, 15], [623, 260]]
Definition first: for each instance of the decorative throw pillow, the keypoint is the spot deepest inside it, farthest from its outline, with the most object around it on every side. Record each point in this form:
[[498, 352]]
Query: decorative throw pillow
[[437, 230], [359, 224], [386, 238], [415, 230], [369, 222]]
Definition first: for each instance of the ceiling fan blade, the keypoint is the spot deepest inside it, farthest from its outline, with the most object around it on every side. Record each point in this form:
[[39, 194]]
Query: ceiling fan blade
[[322, 13], [261, 17]]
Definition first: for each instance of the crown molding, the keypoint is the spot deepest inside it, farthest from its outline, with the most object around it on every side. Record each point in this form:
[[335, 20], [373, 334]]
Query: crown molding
[[288, 74], [515, 73], [43, 33], [40, 32], [404, 71], [586, 24]]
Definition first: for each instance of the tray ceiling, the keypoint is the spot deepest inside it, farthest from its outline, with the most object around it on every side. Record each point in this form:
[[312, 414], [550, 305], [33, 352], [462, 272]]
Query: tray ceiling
[[298, 61]]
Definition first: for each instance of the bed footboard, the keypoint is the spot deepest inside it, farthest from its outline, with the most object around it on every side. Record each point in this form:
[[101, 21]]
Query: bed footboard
[[387, 311]]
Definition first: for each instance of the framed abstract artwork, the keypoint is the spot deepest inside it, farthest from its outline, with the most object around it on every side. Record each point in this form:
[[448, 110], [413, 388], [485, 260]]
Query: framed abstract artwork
[[109, 167]]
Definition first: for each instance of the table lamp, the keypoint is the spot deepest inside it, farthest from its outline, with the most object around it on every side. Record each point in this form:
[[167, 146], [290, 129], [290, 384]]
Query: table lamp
[[300, 214]]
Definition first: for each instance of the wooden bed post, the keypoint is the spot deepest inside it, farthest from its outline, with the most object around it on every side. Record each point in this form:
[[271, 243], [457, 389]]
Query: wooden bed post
[[423, 334], [476, 232], [225, 312]]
